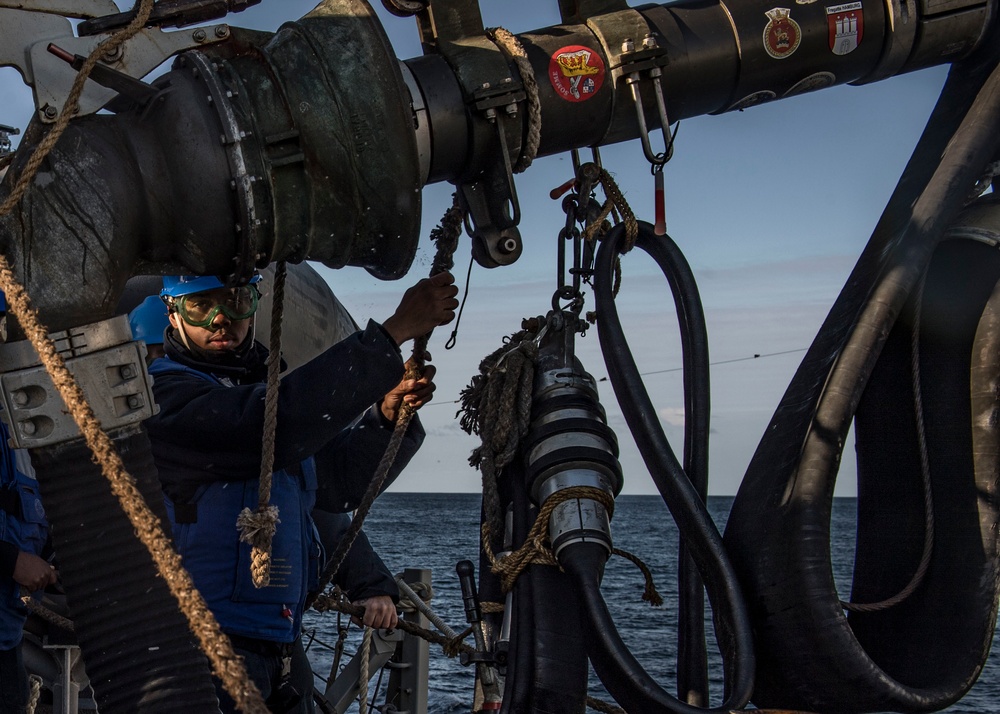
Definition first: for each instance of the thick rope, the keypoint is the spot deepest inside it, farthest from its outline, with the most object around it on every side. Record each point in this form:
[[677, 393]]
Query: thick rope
[[497, 406], [415, 603], [614, 205], [514, 50], [53, 618], [258, 527], [214, 643], [615, 201], [366, 653], [445, 237], [925, 475], [35, 682], [535, 549]]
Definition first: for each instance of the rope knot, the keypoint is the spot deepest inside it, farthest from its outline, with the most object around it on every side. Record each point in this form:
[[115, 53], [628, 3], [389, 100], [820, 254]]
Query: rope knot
[[258, 528]]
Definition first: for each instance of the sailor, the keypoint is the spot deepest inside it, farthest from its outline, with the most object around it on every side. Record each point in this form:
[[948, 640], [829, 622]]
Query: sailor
[[335, 418], [363, 576], [23, 536]]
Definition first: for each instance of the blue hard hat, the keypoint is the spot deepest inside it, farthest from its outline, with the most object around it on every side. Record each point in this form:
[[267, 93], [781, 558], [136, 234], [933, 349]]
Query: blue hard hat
[[148, 320], [175, 286]]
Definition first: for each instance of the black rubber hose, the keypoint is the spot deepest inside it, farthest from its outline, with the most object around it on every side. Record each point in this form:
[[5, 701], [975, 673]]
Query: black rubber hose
[[682, 498], [547, 670], [778, 530], [139, 651]]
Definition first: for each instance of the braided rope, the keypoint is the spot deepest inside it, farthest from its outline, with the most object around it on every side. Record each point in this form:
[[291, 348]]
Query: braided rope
[[496, 405], [535, 549], [514, 50], [366, 652], [214, 643], [445, 237], [649, 593], [258, 527], [35, 682], [53, 618]]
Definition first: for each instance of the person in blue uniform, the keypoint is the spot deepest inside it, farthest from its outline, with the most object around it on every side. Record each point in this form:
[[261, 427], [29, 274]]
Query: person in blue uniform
[[336, 415], [23, 535], [363, 575]]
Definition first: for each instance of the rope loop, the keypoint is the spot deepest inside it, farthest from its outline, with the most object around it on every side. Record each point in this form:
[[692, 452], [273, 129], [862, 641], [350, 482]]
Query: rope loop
[[514, 50]]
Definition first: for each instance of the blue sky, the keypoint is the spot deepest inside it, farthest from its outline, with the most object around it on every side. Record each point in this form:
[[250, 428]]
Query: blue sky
[[771, 206]]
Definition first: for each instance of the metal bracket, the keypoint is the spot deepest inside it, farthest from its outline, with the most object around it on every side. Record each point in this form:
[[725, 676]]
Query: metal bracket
[[633, 63], [5, 133], [107, 364], [492, 208], [342, 691], [25, 35]]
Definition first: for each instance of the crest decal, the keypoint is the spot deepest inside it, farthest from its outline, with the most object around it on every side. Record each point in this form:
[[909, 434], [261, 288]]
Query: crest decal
[[847, 26], [782, 34], [576, 72]]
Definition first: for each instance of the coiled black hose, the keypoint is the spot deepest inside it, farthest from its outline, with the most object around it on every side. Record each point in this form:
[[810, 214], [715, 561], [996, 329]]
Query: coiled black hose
[[622, 675]]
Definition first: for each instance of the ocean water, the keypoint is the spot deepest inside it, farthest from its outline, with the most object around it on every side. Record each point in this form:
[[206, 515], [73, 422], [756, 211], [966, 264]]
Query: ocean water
[[435, 531]]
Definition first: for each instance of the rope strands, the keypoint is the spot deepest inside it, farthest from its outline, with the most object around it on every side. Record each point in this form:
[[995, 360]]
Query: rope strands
[[35, 693], [214, 643], [514, 50], [366, 653], [258, 527], [50, 616], [445, 237], [497, 406]]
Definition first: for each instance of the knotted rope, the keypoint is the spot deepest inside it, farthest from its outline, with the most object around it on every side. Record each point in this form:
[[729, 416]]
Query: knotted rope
[[217, 647], [497, 406], [445, 237], [258, 527], [512, 48]]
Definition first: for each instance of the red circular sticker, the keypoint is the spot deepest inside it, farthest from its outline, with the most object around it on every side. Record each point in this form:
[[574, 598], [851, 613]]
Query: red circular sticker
[[576, 72]]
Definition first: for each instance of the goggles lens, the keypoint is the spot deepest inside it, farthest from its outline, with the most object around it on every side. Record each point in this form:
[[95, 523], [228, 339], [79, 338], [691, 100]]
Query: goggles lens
[[200, 309]]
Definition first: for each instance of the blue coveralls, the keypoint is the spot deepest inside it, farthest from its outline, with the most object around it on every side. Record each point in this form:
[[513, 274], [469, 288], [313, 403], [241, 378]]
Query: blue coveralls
[[22, 528], [206, 443]]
